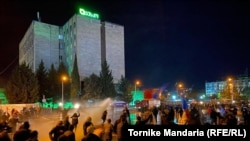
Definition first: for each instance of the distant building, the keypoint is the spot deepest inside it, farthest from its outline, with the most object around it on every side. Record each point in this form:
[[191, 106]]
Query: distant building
[[214, 88], [85, 36]]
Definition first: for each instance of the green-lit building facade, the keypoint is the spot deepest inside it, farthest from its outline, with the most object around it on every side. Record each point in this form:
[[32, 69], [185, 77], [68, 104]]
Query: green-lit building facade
[[88, 38]]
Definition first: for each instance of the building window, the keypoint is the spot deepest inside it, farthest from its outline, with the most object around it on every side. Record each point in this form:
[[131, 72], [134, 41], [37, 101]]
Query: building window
[[60, 37]]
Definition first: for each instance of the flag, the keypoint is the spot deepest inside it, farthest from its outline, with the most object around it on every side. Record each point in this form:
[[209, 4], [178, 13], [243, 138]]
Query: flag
[[159, 91], [184, 103]]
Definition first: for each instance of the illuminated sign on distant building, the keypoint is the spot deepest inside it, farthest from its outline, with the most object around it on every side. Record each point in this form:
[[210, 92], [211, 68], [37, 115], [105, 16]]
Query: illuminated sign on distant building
[[88, 13]]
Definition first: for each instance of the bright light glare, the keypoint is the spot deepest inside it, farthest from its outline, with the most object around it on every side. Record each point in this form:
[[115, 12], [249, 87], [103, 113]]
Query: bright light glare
[[60, 104], [76, 106]]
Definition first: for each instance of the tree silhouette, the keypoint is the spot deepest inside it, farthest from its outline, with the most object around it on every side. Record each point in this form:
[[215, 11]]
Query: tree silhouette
[[22, 86], [42, 77], [53, 88], [75, 82], [92, 89], [125, 88], [106, 82]]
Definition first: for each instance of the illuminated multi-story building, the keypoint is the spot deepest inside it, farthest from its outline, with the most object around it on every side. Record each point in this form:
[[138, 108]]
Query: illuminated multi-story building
[[83, 36], [214, 88]]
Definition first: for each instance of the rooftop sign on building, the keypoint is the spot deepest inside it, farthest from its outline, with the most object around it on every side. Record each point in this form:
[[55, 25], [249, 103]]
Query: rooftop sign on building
[[88, 13]]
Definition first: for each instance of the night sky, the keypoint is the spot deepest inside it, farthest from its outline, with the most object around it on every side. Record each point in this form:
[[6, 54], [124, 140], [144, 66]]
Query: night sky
[[166, 42]]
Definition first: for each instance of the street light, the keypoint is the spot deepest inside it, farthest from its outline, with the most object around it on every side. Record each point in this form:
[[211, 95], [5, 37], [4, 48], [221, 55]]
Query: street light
[[64, 78], [231, 89], [136, 83], [180, 85], [179, 89]]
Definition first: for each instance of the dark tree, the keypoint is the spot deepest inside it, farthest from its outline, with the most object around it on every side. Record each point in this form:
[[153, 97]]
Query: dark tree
[[92, 87], [42, 77], [53, 87], [106, 82], [62, 70], [125, 88], [228, 92], [75, 81], [22, 86]]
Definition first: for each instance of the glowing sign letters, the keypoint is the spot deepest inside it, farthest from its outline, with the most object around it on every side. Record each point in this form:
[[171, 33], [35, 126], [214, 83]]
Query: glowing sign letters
[[89, 14]]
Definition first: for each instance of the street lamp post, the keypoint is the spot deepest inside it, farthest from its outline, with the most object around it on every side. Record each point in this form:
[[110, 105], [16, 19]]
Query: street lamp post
[[231, 89], [179, 90], [63, 79], [136, 83], [180, 86]]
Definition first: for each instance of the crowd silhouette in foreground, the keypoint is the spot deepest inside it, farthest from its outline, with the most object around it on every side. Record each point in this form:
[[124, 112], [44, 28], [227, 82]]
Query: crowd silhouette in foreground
[[109, 130]]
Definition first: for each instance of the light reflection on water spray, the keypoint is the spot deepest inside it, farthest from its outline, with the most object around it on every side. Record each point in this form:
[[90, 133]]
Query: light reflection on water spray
[[95, 109]]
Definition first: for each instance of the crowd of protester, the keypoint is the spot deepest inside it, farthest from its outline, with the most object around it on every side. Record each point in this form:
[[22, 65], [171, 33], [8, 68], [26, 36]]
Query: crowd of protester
[[109, 130]]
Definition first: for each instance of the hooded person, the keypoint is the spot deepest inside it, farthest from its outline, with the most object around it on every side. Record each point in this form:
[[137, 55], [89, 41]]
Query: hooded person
[[57, 131], [87, 124], [95, 135], [74, 120], [23, 133], [68, 135]]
